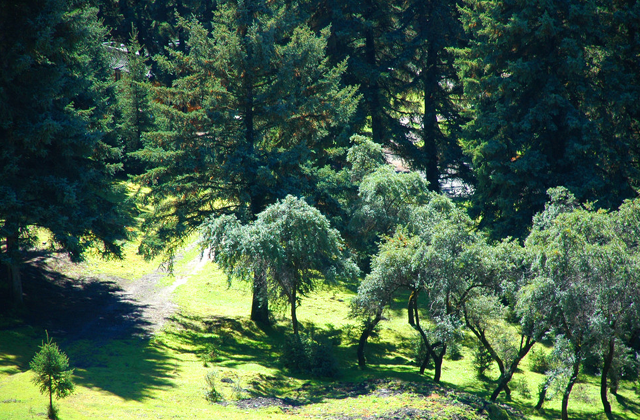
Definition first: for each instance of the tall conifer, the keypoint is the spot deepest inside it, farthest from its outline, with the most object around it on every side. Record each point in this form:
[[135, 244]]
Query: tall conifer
[[53, 93], [255, 104]]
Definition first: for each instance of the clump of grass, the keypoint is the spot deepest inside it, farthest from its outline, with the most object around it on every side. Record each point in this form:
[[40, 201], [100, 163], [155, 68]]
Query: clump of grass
[[211, 392]]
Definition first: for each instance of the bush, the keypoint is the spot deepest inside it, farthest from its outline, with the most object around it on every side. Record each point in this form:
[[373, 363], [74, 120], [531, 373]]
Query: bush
[[481, 359], [311, 355], [520, 386], [454, 351], [539, 361]]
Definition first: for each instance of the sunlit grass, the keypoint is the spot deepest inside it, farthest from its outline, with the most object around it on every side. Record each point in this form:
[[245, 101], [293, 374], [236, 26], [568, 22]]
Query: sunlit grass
[[164, 376]]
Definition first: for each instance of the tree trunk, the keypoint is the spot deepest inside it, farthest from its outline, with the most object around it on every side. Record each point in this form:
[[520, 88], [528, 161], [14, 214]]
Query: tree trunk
[[430, 128], [260, 302], [50, 397], [294, 317], [410, 307], [437, 361], [428, 346], [371, 91], [542, 395], [366, 333], [567, 391], [14, 269], [608, 361], [506, 376]]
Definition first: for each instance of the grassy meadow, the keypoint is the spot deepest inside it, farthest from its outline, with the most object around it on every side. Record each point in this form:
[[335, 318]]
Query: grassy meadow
[[163, 376]]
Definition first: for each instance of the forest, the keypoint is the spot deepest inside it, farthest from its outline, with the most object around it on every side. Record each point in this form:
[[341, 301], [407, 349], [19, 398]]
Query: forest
[[362, 197]]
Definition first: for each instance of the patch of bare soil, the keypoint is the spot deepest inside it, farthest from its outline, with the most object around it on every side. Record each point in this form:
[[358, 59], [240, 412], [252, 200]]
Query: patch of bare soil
[[97, 307], [474, 405]]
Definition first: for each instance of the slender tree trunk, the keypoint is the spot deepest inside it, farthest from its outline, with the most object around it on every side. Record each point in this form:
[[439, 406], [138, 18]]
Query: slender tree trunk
[[366, 333], [567, 391], [437, 361], [50, 398], [430, 128], [260, 301], [410, 308], [608, 361], [294, 317], [542, 395], [13, 267], [428, 346], [506, 376], [372, 94]]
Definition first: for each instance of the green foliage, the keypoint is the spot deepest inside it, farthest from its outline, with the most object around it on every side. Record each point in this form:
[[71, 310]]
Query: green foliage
[[255, 110], [291, 243], [310, 354], [539, 361], [482, 359], [53, 376], [531, 73], [55, 167]]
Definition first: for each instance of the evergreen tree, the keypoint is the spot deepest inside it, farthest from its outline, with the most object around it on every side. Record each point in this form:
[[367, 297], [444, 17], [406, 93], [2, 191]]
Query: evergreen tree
[[132, 113], [530, 79], [399, 56], [53, 375], [54, 90], [254, 108]]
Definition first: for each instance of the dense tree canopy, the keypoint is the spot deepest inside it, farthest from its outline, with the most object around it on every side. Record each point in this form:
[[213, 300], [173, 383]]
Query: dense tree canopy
[[54, 92]]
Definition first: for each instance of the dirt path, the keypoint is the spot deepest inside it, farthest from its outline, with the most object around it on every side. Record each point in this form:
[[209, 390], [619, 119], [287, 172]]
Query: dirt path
[[155, 300], [101, 308]]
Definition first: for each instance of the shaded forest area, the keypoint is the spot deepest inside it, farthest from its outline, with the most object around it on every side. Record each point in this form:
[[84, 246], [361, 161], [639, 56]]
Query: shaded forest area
[[264, 127]]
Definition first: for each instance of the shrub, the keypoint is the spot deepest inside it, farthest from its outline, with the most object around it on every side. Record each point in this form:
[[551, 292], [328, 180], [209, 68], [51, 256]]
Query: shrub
[[520, 386], [308, 354], [481, 359], [539, 361], [454, 351]]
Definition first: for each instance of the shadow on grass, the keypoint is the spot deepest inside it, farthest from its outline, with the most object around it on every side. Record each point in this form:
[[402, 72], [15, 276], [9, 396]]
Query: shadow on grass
[[228, 342], [103, 333]]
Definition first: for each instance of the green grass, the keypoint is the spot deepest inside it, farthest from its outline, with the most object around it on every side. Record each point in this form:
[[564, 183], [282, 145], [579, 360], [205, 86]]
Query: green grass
[[164, 376]]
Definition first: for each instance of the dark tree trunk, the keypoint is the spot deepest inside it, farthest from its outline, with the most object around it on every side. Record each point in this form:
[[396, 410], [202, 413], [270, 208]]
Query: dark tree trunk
[[437, 361], [430, 128], [294, 316], [372, 94], [366, 333], [260, 302], [608, 361], [13, 269], [567, 391], [506, 376], [542, 395], [411, 307], [430, 352]]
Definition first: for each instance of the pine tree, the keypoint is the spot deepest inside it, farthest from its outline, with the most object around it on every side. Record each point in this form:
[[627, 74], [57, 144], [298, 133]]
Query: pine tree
[[132, 111], [399, 56], [254, 106], [530, 78], [54, 89], [53, 375]]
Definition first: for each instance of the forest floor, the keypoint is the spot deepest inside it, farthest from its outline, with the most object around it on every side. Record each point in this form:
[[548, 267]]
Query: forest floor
[[142, 341]]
